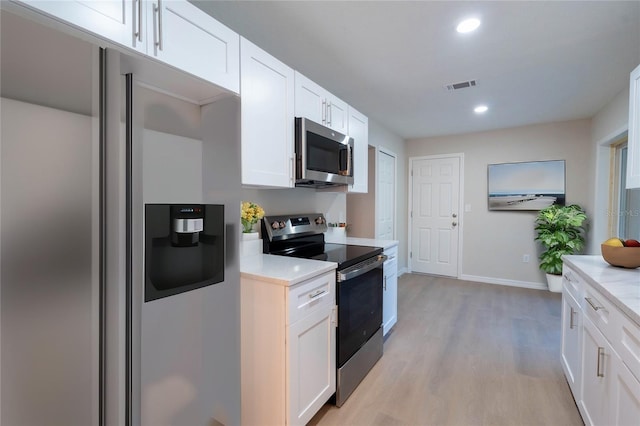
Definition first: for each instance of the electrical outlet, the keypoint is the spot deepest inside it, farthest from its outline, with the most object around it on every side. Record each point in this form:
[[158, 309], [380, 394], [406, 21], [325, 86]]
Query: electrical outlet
[[525, 258]]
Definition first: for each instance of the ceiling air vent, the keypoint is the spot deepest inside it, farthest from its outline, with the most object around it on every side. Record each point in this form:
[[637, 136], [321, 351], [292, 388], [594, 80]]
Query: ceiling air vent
[[461, 85]]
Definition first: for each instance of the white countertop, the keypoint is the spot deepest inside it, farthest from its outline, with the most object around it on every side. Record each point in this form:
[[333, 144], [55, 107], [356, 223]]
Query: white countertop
[[621, 286], [289, 271], [282, 270]]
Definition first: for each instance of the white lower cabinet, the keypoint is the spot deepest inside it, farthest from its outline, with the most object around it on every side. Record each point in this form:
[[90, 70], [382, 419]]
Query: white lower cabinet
[[600, 352], [288, 349], [625, 401], [571, 342], [312, 365], [390, 290], [597, 384]]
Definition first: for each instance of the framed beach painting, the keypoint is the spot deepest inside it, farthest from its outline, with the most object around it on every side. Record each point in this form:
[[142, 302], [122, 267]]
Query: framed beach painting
[[531, 185]]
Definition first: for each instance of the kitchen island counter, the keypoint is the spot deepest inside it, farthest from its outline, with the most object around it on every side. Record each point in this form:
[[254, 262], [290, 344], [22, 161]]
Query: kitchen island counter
[[621, 286]]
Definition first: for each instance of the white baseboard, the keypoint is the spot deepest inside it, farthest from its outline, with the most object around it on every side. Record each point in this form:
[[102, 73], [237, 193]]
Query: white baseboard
[[493, 280], [502, 281]]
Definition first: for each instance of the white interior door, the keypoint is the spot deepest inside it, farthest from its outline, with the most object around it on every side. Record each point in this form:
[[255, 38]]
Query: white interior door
[[386, 195], [435, 202]]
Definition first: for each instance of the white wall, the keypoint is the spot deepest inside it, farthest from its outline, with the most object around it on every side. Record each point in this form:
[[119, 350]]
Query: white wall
[[494, 242]]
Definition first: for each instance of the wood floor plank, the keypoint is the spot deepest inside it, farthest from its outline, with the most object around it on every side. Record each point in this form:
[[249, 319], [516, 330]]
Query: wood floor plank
[[465, 353]]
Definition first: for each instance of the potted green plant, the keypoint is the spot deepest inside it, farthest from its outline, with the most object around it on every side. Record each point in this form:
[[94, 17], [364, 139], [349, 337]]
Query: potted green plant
[[561, 230]]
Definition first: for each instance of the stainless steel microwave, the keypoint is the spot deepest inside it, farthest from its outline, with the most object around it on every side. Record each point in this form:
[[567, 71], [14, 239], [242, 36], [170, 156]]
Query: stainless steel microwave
[[324, 157]]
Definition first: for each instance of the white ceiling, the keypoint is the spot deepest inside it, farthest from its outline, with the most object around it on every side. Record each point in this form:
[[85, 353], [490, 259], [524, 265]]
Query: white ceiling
[[535, 62]]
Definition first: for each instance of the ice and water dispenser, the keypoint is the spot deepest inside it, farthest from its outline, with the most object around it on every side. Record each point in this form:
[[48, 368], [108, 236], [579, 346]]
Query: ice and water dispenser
[[184, 248]]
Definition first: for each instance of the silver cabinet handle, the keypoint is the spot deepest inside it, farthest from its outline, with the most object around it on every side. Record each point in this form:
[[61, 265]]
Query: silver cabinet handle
[[454, 223], [138, 20], [292, 170], [593, 305], [600, 363], [329, 114], [571, 325], [454, 215], [385, 284], [157, 11], [324, 111], [317, 294]]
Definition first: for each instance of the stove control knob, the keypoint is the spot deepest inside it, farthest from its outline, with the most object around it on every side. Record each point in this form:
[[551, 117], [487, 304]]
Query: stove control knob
[[275, 225], [282, 225], [319, 220]]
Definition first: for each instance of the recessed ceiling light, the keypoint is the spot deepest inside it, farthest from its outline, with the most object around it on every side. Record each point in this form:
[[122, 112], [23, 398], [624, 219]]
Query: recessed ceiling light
[[481, 109], [468, 25]]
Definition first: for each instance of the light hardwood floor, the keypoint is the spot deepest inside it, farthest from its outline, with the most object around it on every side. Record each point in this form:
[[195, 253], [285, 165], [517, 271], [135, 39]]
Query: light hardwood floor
[[465, 353]]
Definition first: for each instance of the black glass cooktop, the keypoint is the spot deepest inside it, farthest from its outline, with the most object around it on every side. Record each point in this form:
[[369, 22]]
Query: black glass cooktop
[[343, 254], [314, 247]]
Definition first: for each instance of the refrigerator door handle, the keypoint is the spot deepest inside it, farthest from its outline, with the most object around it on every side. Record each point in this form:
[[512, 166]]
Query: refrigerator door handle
[[129, 126]]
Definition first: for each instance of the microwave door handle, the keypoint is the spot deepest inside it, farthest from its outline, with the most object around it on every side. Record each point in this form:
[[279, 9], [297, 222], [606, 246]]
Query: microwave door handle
[[349, 154]]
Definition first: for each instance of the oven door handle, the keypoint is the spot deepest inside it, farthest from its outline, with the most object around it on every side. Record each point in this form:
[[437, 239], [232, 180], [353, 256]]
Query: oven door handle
[[361, 268]]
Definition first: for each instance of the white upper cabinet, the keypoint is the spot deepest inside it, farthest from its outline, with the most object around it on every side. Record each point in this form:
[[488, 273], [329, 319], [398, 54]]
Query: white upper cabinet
[[633, 156], [317, 104], [267, 120], [173, 31], [359, 131], [110, 19], [181, 35]]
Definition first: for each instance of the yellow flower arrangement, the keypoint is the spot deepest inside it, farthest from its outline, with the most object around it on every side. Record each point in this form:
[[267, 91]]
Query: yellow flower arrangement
[[250, 215]]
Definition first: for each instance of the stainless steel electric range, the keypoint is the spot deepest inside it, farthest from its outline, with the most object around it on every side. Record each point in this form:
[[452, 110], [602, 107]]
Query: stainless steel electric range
[[359, 279]]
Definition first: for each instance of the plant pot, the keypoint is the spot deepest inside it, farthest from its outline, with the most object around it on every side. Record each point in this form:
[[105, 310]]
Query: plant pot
[[555, 283], [248, 236]]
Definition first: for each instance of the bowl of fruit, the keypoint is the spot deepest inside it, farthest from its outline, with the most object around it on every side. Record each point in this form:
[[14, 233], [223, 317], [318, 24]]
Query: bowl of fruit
[[623, 253]]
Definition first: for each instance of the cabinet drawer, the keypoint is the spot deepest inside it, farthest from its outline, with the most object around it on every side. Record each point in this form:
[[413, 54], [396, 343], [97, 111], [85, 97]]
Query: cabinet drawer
[[572, 282], [628, 347], [602, 313], [306, 297], [392, 252]]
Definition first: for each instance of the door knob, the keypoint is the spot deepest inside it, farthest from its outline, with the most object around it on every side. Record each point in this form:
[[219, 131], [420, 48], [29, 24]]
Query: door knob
[[454, 215], [454, 223]]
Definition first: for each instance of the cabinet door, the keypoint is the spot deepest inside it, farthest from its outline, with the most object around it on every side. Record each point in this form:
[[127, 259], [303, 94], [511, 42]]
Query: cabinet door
[[266, 88], [311, 365], [597, 374], [390, 295], [571, 339], [189, 39], [337, 115], [625, 400], [633, 156], [359, 131], [310, 99], [111, 19]]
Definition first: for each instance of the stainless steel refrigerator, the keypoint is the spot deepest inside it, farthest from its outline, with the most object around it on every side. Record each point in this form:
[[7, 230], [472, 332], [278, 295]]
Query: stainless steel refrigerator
[[89, 135]]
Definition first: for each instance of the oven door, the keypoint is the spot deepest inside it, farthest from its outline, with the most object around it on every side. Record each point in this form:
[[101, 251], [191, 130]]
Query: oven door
[[359, 311], [322, 154]]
